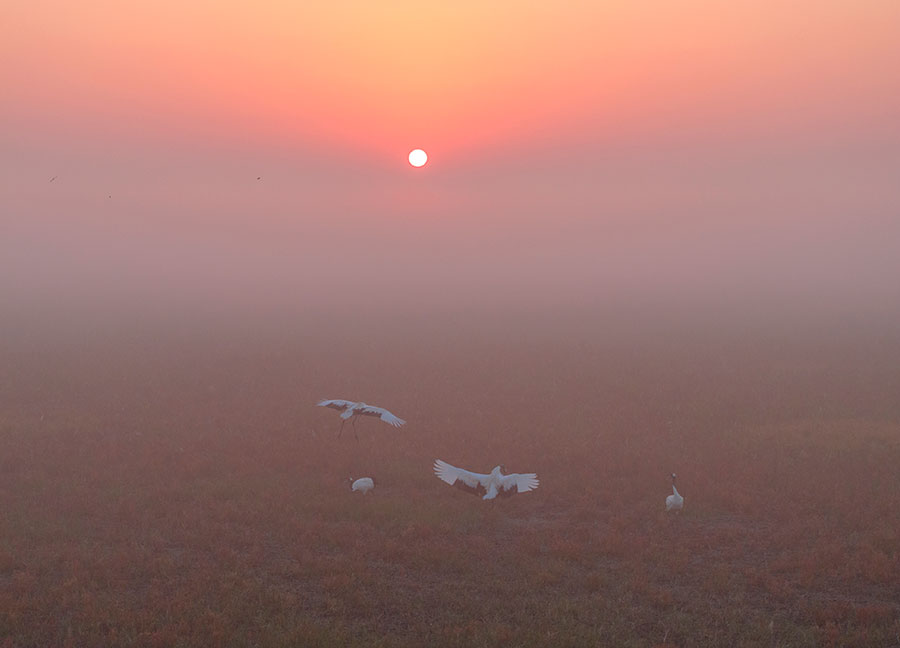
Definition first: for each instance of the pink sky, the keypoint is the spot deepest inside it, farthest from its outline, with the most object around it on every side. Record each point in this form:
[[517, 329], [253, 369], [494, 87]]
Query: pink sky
[[576, 148]]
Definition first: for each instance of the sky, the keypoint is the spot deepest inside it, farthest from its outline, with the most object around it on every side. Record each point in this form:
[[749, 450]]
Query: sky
[[254, 154]]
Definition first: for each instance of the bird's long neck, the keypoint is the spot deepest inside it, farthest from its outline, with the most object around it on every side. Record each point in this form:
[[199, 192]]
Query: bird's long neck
[[675, 490]]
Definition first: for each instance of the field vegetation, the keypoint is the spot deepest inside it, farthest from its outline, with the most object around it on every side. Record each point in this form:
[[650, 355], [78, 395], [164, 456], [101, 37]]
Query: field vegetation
[[182, 489]]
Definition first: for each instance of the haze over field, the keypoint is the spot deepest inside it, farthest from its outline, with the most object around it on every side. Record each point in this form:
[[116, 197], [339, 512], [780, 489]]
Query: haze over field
[[739, 154], [650, 237]]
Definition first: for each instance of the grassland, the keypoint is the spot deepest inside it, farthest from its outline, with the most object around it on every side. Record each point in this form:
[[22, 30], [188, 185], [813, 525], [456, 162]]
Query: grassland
[[183, 490]]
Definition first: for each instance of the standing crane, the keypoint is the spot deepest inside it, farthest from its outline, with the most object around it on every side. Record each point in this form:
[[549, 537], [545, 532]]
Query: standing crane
[[674, 502]]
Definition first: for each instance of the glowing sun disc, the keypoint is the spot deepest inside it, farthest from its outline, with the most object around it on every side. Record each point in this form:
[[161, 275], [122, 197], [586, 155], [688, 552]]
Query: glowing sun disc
[[418, 157]]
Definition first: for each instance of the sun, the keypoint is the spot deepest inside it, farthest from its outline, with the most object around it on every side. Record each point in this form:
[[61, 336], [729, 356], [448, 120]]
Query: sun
[[418, 157]]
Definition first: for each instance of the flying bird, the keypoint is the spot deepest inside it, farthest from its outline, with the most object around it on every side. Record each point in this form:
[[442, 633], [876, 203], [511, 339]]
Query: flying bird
[[363, 484], [674, 502], [489, 486], [350, 409]]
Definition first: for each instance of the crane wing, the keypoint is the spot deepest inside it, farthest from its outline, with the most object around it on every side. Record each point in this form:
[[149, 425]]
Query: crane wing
[[337, 404], [383, 414], [468, 481], [518, 483]]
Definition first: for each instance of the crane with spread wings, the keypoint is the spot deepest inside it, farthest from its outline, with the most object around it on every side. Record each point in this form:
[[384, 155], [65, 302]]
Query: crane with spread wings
[[353, 410], [489, 486]]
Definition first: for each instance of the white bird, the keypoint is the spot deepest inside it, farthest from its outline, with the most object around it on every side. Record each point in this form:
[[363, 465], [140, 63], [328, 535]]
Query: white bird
[[491, 485], [674, 502], [363, 484], [351, 409]]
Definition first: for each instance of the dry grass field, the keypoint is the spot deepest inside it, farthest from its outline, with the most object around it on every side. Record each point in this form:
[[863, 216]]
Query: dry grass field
[[182, 489]]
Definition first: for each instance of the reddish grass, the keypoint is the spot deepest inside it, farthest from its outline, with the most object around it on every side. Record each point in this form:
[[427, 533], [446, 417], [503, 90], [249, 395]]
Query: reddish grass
[[195, 496]]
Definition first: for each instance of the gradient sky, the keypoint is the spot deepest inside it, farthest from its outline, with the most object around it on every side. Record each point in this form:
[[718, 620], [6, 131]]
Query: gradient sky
[[739, 146]]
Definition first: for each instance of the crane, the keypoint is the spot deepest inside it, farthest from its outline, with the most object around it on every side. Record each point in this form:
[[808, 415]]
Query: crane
[[491, 485], [353, 410]]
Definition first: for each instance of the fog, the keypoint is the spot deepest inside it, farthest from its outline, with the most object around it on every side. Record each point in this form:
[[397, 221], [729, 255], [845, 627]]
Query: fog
[[650, 239], [170, 236], [738, 163]]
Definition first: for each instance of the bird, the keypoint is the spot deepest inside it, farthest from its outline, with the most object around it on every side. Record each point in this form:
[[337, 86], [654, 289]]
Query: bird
[[354, 410], [674, 502], [491, 485], [363, 484]]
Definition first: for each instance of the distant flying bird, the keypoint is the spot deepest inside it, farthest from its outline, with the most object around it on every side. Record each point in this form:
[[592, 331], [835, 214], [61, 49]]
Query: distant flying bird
[[490, 485], [350, 409], [259, 177], [363, 484], [674, 502], [53, 178]]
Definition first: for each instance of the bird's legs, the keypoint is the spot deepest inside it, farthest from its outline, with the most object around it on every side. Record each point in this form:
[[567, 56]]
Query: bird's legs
[[342, 428], [354, 427]]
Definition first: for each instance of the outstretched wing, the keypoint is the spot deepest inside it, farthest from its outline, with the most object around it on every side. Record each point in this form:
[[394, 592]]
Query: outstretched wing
[[471, 482], [518, 483], [337, 404], [383, 414]]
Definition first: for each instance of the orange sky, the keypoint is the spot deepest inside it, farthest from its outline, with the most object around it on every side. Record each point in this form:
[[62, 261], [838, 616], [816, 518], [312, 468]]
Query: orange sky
[[381, 76], [568, 132]]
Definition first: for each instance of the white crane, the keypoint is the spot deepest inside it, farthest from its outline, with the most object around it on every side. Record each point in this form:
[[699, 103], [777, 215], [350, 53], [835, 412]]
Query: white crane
[[362, 485], [674, 502], [351, 409], [496, 483]]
